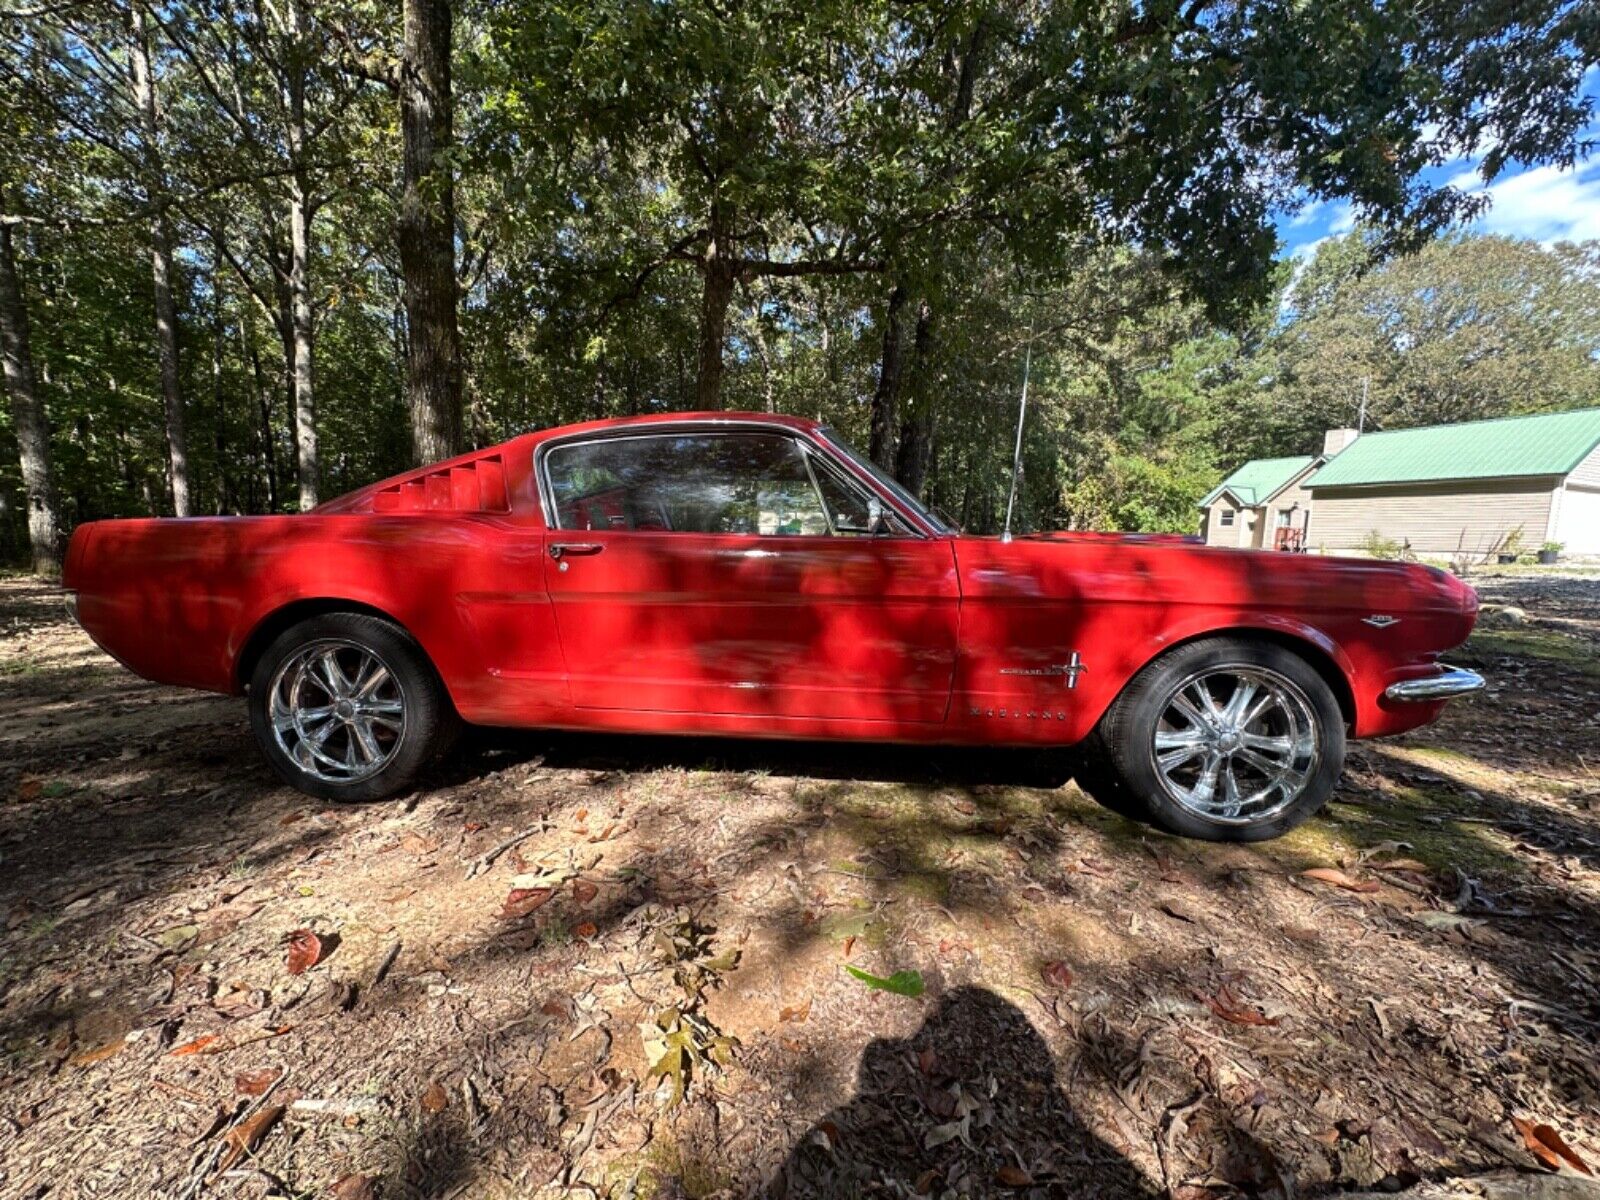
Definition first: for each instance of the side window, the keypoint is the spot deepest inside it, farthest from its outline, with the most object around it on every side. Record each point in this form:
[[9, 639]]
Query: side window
[[754, 483], [1227, 516], [852, 510]]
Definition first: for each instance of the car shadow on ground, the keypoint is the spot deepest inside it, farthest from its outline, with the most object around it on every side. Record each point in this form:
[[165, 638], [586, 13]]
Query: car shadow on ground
[[485, 750]]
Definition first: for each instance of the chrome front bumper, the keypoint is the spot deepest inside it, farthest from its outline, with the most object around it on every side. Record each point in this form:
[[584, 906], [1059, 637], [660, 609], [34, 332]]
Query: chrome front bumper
[[1451, 681]]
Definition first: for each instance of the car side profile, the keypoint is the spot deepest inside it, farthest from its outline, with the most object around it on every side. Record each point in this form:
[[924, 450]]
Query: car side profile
[[750, 575]]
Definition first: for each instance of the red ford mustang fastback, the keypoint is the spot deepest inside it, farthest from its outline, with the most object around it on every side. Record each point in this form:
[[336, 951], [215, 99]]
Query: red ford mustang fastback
[[731, 573]]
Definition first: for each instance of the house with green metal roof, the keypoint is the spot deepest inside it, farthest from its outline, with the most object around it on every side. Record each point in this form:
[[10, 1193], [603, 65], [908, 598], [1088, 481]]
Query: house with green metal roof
[[1468, 488], [1253, 504]]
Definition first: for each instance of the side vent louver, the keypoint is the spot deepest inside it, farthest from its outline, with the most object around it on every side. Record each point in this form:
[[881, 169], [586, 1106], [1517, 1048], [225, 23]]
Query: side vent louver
[[477, 486]]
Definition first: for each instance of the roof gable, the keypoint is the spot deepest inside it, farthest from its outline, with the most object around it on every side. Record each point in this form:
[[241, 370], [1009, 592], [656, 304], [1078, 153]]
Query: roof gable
[[1259, 480], [1546, 444]]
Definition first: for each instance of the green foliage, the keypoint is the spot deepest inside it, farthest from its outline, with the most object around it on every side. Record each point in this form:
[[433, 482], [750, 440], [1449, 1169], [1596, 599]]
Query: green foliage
[[901, 983], [1375, 545], [1098, 185]]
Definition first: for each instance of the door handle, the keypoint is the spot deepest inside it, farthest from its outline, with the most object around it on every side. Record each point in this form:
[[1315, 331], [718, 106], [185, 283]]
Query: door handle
[[560, 550]]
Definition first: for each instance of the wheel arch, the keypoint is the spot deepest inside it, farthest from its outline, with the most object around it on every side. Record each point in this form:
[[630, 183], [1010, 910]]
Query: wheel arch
[[1318, 652], [285, 616]]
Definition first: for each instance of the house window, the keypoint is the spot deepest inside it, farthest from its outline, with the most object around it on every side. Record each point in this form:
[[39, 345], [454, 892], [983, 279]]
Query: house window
[[1227, 517], [1285, 518]]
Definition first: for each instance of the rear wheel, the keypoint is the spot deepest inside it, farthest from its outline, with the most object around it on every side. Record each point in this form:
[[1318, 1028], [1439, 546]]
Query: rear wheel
[[1227, 740], [346, 706]]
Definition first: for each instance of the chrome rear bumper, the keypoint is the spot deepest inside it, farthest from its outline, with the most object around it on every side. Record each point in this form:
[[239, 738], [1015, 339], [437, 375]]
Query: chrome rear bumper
[[1451, 681]]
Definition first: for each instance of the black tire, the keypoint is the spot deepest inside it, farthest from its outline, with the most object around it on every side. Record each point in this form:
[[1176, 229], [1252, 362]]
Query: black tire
[[424, 729], [1097, 777], [1129, 727]]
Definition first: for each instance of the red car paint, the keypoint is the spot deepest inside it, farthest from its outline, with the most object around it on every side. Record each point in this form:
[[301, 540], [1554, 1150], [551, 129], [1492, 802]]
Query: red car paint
[[931, 638]]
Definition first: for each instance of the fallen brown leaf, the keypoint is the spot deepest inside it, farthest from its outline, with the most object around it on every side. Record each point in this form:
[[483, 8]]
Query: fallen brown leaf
[[1412, 865], [1178, 912], [1014, 1177], [797, 1013], [87, 1058], [1227, 1006], [199, 1046], [1057, 973], [520, 902], [924, 1183], [1337, 878], [305, 951], [583, 891], [435, 1099], [245, 1136], [1548, 1146], [256, 1083], [927, 1060], [354, 1187], [585, 930]]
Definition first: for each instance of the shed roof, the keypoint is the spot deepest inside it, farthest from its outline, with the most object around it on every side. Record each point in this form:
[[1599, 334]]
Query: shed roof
[[1546, 444], [1259, 479]]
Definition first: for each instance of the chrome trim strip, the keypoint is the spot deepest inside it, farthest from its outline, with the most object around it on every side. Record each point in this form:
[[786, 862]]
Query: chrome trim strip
[[805, 438], [1451, 681]]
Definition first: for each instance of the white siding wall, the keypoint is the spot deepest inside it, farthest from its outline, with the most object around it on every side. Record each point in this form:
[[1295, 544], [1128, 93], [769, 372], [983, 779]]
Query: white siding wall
[[1239, 533], [1436, 518], [1587, 473], [1578, 520]]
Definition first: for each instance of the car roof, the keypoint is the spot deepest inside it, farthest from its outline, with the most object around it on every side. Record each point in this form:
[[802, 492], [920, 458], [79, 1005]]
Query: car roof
[[610, 424], [355, 501]]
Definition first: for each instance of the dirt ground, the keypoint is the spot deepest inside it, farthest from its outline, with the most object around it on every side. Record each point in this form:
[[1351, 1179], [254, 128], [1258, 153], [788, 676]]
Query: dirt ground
[[618, 967]]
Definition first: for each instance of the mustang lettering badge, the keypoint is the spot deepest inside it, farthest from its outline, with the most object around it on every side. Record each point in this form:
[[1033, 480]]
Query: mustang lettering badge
[[1072, 668]]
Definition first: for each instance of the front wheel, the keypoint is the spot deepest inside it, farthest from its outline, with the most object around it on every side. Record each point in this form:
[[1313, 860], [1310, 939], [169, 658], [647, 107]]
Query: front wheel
[[346, 706], [1227, 740]]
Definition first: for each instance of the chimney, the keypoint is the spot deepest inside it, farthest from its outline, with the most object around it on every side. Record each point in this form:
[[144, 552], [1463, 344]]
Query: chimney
[[1336, 440]]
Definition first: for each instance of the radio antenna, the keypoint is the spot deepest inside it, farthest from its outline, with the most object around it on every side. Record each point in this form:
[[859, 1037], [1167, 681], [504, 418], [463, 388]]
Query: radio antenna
[[1022, 412]]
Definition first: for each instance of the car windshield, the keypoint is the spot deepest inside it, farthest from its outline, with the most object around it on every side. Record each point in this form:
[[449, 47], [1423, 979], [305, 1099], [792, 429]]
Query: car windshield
[[906, 499]]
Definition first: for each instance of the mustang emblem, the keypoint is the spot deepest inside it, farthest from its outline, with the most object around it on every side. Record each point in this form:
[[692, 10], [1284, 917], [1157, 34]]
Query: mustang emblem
[[1072, 668], [1380, 620]]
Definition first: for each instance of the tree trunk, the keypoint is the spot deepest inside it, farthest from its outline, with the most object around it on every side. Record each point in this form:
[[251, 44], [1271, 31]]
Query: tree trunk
[[721, 273], [887, 394], [219, 404], [155, 184], [269, 456], [427, 234], [27, 416], [300, 318], [300, 338], [916, 431]]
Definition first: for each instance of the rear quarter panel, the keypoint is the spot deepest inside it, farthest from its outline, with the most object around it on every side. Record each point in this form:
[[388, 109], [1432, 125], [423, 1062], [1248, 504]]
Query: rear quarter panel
[[178, 601]]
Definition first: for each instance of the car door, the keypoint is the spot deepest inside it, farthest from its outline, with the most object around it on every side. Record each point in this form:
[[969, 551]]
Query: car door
[[698, 570]]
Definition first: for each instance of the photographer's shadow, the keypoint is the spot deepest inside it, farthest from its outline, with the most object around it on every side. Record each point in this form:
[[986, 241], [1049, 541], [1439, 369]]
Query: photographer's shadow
[[968, 1104]]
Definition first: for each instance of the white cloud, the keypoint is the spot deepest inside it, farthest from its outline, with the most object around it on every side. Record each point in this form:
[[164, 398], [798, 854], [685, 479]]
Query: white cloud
[[1338, 216], [1547, 204], [1306, 251]]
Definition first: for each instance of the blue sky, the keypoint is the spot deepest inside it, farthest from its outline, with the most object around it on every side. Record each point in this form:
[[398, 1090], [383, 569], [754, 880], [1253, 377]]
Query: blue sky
[[1542, 203]]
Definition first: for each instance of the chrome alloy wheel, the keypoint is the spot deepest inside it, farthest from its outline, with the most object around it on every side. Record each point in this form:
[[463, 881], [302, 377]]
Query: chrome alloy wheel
[[1236, 745], [337, 711]]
